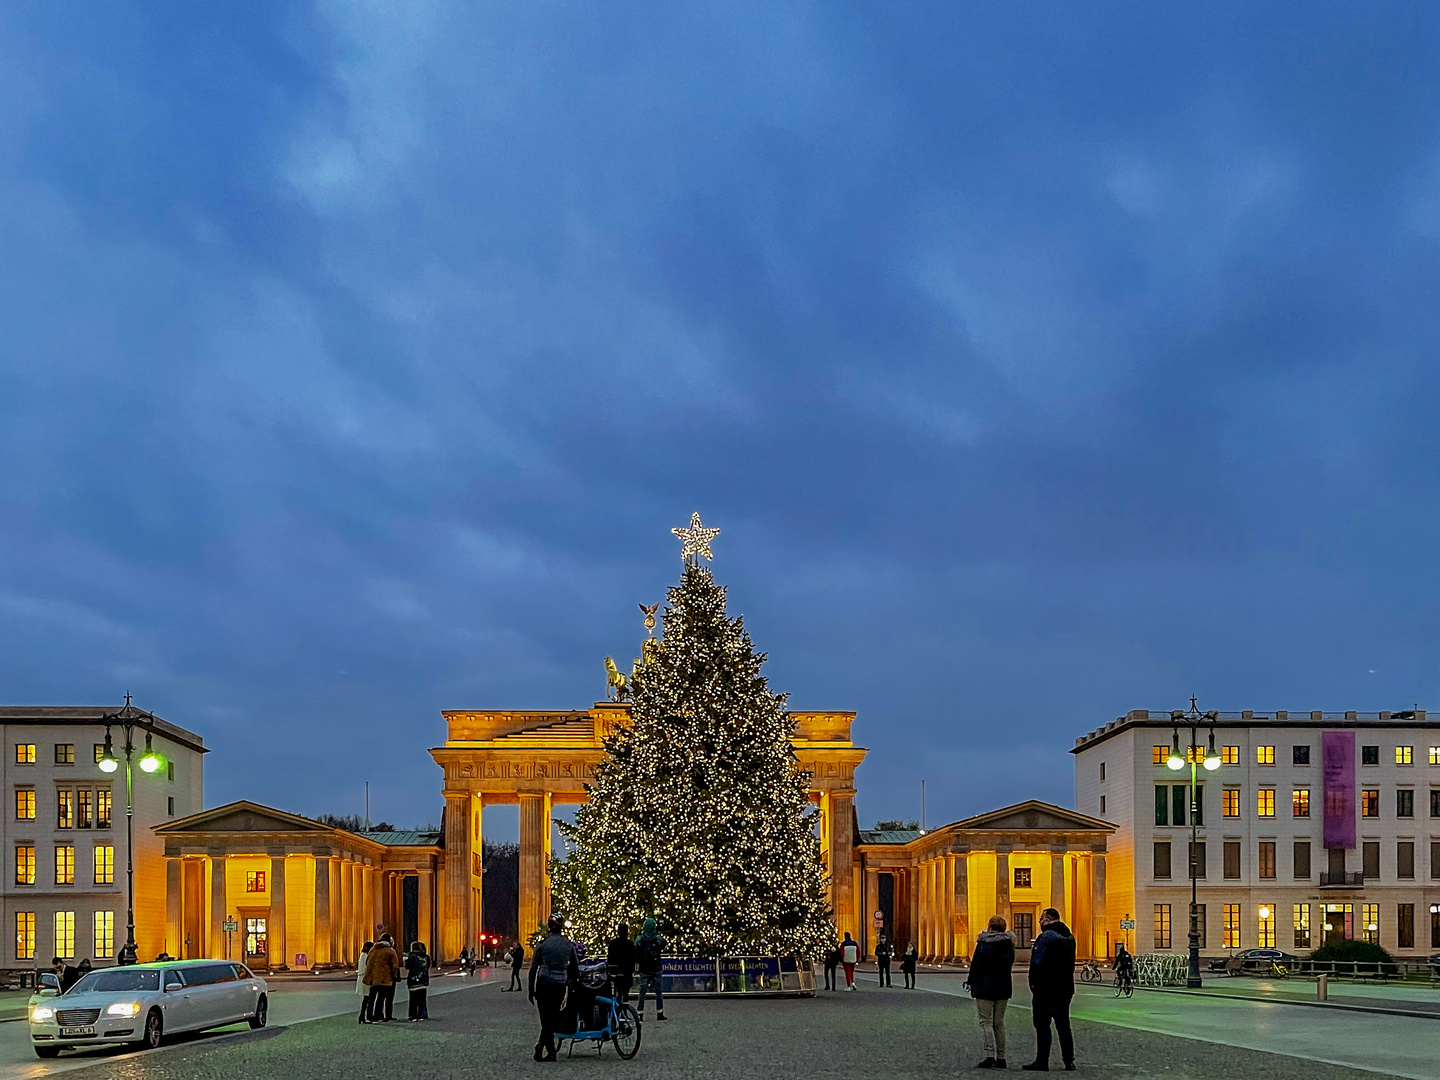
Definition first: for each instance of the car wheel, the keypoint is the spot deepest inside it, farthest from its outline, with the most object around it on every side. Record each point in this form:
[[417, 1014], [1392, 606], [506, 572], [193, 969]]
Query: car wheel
[[261, 1009], [154, 1030], [47, 1051]]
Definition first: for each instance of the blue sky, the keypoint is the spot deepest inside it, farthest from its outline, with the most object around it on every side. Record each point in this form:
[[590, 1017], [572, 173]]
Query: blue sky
[[1039, 362]]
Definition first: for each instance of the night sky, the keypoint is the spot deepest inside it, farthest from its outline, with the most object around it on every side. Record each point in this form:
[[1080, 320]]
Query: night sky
[[1038, 362]]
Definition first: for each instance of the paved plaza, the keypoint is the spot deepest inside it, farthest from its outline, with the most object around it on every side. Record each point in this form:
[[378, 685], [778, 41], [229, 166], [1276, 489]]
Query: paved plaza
[[476, 1030]]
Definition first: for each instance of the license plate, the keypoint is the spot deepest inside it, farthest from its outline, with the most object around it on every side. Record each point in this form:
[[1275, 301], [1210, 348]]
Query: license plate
[[76, 1032]]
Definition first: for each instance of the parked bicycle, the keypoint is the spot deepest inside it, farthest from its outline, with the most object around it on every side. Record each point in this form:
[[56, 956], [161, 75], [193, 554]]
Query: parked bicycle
[[1279, 971], [1090, 972]]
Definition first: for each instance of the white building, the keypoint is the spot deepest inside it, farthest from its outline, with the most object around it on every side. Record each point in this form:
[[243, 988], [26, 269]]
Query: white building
[[1265, 873], [64, 834]]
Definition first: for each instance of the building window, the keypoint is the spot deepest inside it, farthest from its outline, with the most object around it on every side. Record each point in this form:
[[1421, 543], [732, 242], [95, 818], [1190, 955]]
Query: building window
[[24, 804], [1435, 802], [1162, 804], [65, 809], [1267, 858], [104, 933], [1022, 877], [1405, 860], [1405, 926], [1370, 802], [24, 935], [64, 864], [99, 752], [1264, 755], [1404, 755], [1162, 925], [1265, 927], [254, 881], [1232, 859], [1370, 923], [170, 771], [1265, 802], [1302, 860], [84, 808], [102, 808], [1300, 802], [65, 935], [170, 805], [1232, 927], [64, 753], [1229, 755], [1435, 755], [25, 755], [104, 864], [1370, 859], [24, 864], [1197, 859], [1369, 755], [1162, 859], [1435, 929], [1404, 802], [1434, 860], [1158, 755], [1179, 798], [1231, 805], [1302, 925], [1102, 772], [1300, 755]]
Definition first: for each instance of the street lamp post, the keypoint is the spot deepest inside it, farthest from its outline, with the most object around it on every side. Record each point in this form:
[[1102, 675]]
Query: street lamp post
[[129, 718], [1193, 718]]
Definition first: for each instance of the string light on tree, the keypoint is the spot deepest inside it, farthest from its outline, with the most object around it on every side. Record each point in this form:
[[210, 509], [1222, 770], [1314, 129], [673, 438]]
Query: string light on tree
[[695, 540]]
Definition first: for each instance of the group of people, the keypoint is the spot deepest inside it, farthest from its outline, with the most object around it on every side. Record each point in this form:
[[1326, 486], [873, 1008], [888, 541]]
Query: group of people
[[846, 954], [380, 967], [1052, 986]]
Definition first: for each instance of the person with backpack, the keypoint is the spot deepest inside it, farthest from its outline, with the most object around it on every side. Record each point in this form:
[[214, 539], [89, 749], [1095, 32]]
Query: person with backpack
[[1052, 986], [883, 952], [649, 950], [832, 963], [991, 986], [849, 956], [908, 959], [417, 980], [554, 969], [620, 963]]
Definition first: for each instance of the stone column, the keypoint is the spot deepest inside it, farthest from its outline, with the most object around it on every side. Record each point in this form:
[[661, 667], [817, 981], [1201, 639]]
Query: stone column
[[842, 837], [922, 907], [870, 905], [1002, 884], [278, 957], [947, 905], [1097, 905], [962, 905], [174, 908], [424, 926], [1057, 885], [534, 852], [456, 931], [217, 906], [337, 915], [322, 945]]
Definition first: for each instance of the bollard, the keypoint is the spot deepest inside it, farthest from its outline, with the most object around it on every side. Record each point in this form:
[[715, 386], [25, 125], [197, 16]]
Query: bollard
[[1322, 988]]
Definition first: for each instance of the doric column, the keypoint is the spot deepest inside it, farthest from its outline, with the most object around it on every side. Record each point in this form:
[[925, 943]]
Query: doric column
[[457, 875], [962, 905], [278, 957], [1002, 884], [1101, 946], [534, 854], [174, 908], [1057, 885], [322, 945], [869, 906], [423, 925], [842, 855], [947, 905], [217, 906], [337, 914]]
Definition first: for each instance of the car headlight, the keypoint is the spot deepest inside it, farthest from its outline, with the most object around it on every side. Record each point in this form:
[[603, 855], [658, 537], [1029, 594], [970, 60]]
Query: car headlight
[[123, 1008], [42, 1012]]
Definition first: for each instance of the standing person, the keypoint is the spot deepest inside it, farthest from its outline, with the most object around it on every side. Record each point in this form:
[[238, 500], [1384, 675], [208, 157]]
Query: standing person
[[991, 986], [417, 979], [67, 975], [648, 951], [517, 961], [1052, 985], [552, 971], [832, 962], [381, 970], [620, 962], [908, 959], [883, 952], [849, 956], [362, 981]]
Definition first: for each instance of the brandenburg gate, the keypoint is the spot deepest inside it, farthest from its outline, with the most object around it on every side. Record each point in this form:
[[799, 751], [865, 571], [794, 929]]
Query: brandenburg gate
[[539, 760]]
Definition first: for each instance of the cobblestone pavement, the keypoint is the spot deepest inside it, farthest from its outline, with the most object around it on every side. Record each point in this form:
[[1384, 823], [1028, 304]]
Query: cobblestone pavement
[[893, 1034]]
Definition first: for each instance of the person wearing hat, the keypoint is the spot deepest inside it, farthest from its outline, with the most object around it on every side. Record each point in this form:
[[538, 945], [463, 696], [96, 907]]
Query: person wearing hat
[[649, 955], [553, 969]]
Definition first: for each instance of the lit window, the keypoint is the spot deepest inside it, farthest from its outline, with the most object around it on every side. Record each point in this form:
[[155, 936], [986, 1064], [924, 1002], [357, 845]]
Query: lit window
[[1265, 755], [25, 935], [1300, 802], [1404, 755], [1435, 755], [1022, 877], [84, 808], [104, 864], [1301, 913], [1232, 927], [25, 804], [104, 933], [24, 864], [1162, 926], [25, 755], [1265, 927], [99, 752], [65, 935], [1229, 755], [1265, 802], [1231, 803], [254, 881], [102, 808], [1370, 802], [65, 809], [1158, 754], [64, 864], [64, 753], [1370, 923]]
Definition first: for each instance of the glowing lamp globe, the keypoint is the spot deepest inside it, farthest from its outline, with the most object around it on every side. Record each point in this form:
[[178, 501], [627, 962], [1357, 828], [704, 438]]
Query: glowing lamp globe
[[149, 761], [1175, 762], [108, 764]]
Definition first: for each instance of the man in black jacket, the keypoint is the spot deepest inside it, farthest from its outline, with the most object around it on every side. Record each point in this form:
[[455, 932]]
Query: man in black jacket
[[883, 952], [1052, 985], [990, 985], [620, 962], [553, 970]]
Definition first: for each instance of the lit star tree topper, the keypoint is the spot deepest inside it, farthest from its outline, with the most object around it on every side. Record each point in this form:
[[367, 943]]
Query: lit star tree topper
[[695, 540]]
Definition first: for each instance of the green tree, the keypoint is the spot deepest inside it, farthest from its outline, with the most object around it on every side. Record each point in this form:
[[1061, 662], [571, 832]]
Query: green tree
[[699, 815]]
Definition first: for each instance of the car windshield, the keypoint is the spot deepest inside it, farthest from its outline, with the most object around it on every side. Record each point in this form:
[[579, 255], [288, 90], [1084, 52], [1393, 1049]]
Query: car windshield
[[117, 980]]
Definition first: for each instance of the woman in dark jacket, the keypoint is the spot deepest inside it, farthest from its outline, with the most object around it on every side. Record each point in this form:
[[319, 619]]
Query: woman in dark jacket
[[990, 986], [908, 959]]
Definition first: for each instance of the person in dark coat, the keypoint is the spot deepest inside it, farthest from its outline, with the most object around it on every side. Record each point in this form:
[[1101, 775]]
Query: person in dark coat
[[516, 957], [908, 959], [1052, 985], [991, 987], [417, 980], [832, 964], [381, 971], [554, 969], [883, 952], [620, 962], [649, 955]]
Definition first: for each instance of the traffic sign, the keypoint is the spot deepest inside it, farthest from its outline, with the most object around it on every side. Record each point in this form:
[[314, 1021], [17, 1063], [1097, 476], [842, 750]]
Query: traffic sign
[[1127, 924], [228, 927]]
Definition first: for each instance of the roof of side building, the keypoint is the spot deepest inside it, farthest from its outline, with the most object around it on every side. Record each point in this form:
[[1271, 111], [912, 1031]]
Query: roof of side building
[[91, 715]]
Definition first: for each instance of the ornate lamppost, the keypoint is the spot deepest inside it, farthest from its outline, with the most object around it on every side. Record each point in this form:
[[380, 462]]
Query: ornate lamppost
[[1193, 718], [129, 718]]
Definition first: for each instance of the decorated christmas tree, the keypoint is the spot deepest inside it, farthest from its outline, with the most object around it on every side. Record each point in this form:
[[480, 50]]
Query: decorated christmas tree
[[698, 815]]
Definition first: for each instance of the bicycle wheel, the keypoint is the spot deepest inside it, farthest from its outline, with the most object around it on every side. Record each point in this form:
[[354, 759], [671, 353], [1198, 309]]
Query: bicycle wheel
[[627, 1032]]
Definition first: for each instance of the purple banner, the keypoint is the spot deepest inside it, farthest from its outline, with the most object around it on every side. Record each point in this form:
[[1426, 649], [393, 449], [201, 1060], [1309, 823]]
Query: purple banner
[[1337, 756]]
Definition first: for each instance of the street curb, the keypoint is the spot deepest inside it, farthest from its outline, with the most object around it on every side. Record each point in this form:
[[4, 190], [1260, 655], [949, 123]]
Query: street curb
[[1293, 1001]]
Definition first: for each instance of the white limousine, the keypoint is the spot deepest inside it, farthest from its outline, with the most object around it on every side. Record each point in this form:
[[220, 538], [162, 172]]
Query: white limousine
[[143, 1003]]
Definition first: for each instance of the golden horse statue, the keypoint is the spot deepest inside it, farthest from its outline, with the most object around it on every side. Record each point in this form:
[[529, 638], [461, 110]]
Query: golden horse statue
[[617, 687]]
